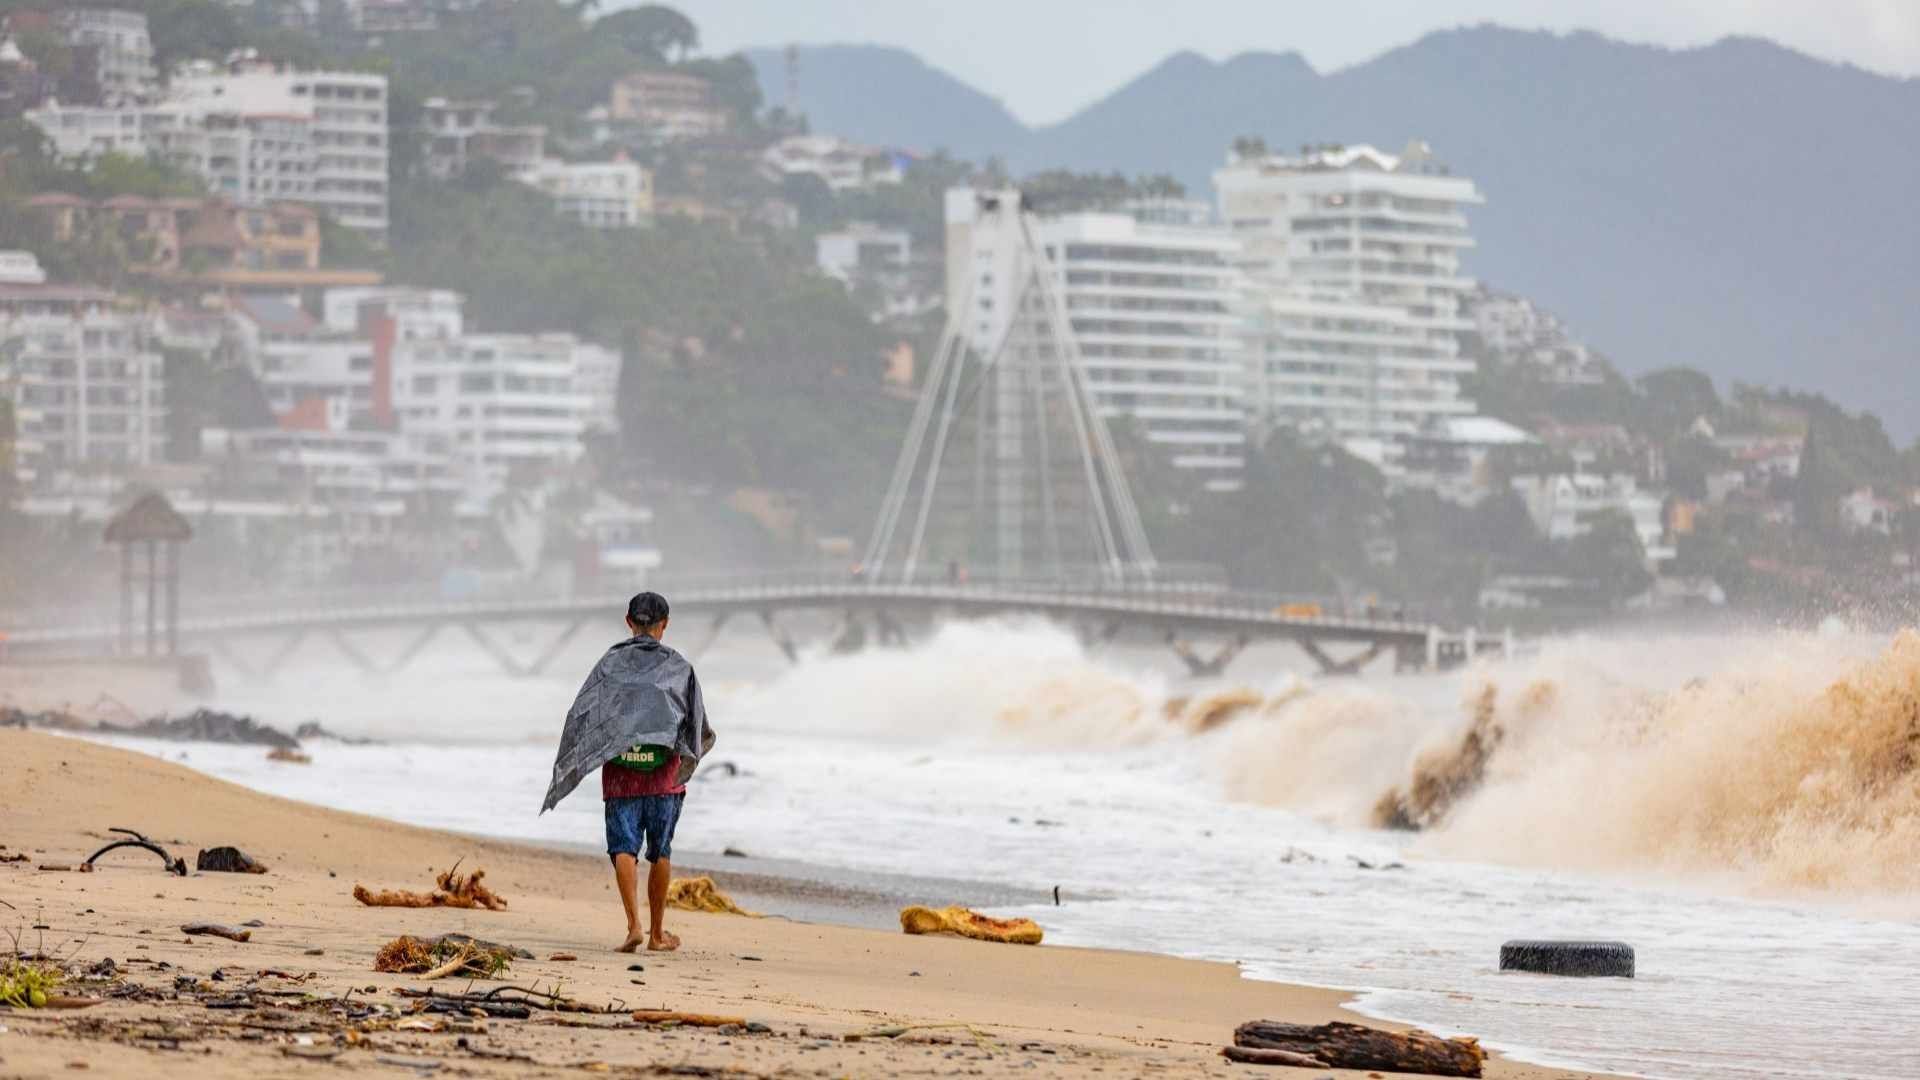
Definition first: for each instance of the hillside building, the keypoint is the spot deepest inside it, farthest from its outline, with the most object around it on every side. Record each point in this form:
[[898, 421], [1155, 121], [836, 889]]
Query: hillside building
[[256, 135], [509, 407], [1151, 308], [599, 194], [337, 120], [116, 48], [1355, 289], [85, 382], [839, 163], [667, 105], [457, 133]]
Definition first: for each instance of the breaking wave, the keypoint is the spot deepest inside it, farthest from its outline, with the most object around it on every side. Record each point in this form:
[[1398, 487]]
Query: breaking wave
[[1787, 761]]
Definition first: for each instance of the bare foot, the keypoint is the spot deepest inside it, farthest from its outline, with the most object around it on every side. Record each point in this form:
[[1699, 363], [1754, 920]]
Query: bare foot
[[634, 938], [666, 942]]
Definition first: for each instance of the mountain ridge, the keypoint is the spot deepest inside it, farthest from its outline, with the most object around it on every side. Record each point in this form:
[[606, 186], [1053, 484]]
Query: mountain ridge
[[1739, 207]]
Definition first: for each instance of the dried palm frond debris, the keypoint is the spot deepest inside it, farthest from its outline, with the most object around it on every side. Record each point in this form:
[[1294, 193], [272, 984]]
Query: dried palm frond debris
[[454, 891]]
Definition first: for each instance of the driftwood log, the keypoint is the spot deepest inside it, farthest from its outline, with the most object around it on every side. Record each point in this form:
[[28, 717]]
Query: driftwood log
[[1248, 1056], [174, 866], [1353, 1046]]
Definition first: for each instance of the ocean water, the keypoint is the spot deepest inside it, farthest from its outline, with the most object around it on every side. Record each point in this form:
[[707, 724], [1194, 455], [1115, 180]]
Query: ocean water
[[1742, 808]]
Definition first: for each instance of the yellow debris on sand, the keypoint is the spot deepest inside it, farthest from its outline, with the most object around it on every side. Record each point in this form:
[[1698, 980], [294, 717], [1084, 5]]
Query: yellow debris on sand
[[701, 894], [959, 920]]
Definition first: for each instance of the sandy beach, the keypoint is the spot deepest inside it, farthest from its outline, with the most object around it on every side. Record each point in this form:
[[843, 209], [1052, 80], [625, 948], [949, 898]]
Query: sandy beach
[[1045, 1011]]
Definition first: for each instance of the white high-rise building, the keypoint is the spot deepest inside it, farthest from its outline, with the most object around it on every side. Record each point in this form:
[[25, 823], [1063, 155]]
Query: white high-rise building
[[345, 119], [1151, 308], [506, 406], [122, 46], [86, 384], [256, 136], [1355, 295]]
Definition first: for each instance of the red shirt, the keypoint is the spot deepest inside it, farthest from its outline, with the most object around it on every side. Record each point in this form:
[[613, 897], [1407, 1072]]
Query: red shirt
[[620, 782]]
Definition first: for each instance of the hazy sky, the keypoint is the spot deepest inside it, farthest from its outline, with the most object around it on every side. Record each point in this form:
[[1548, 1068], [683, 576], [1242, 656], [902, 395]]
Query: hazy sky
[[1046, 58]]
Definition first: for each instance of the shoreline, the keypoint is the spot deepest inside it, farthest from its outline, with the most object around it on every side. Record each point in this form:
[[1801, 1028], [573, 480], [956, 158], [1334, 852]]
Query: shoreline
[[1076, 1011]]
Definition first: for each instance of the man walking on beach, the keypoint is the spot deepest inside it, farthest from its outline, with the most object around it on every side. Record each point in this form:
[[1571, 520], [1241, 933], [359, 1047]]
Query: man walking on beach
[[641, 720]]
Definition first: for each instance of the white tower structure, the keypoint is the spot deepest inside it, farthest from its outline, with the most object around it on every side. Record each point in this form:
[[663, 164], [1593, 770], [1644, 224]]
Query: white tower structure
[[1008, 462], [1356, 298]]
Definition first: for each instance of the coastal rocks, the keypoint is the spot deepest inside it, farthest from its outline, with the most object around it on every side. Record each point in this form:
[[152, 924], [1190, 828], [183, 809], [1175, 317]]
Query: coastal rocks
[[207, 725], [971, 924], [313, 730], [1604, 959]]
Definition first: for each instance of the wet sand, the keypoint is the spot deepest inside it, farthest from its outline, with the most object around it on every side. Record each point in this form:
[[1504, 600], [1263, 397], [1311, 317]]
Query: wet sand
[[1044, 1011]]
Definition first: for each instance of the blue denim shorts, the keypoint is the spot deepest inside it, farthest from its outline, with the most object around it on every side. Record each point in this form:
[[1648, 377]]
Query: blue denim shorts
[[648, 818]]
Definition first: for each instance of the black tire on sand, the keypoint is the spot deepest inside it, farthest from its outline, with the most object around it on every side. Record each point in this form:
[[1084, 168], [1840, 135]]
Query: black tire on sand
[[1588, 958]]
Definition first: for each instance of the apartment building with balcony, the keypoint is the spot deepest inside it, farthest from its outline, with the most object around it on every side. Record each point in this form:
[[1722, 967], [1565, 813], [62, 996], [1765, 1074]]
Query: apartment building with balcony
[[333, 465], [509, 407], [85, 381], [314, 378], [458, 132], [1355, 289], [255, 135], [118, 48], [841, 164], [335, 120], [667, 105], [417, 313], [1566, 505], [598, 194], [1151, 307]]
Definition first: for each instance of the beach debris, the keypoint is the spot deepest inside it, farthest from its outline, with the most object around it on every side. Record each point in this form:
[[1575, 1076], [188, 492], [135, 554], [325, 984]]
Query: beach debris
[[1340, 1045], [228, 860], [563, 958], [968, 923], [686, 1019], [174, 866], [505, 1002], [439, 959], [734, 853], [491, 1054], [208, 929], [455, 891], [980, 1038], [27, 984], [291, 757], [513, 951], [701, 894], [1583, 958], [18, 856]]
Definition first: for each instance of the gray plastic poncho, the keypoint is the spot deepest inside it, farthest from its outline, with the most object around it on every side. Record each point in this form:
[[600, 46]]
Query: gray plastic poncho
[[640, 693]]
